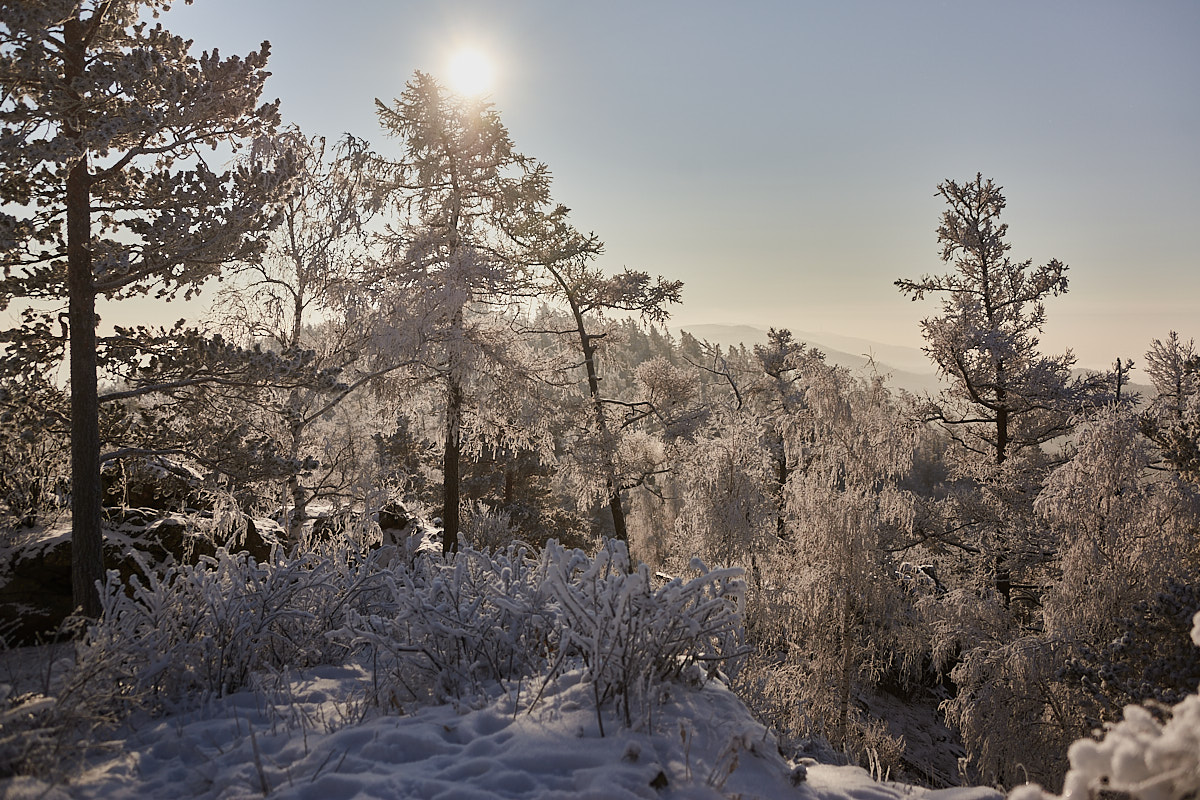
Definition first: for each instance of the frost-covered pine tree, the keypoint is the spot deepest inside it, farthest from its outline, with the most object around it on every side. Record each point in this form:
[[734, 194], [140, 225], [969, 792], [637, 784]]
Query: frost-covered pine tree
[[1005, 399], [774, 395], [588, 294], [1172, 420], [105, 122], [454, 271]]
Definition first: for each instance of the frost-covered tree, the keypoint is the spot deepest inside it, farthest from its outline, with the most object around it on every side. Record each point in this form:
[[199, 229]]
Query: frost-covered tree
[[1004, 395], [103, 122], [1113, 621], [733, 478], [1005, 399], [727, 509], [800, 478], [589, 294], [1128, 565], [846, 509], [454, 271], [290, 299], [1173, 419], [311, 256], [775, 393]]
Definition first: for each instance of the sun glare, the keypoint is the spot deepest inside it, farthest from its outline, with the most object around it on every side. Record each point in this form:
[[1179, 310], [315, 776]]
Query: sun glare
[[470, 72]]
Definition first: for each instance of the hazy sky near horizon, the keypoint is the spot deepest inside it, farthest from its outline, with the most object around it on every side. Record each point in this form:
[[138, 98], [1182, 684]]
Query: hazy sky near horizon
[[781, 158]]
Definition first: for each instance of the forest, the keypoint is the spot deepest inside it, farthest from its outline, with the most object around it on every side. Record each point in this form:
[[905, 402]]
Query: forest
[[420, 426]]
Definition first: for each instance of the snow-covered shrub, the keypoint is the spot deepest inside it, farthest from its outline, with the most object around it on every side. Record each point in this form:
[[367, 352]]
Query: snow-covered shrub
[[1138, 757], [485, 529], [1141, 757], [46, 722], [633, 637], [46, 719], [452, 627], [201, 629], [34, 452], [30, 738]]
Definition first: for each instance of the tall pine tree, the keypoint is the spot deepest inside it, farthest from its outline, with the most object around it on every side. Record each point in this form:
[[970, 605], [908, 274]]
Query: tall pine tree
[[105, 120], [459, 194], [1005, 399]]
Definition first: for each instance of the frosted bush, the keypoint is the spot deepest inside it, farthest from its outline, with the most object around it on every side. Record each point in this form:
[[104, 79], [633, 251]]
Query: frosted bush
[[200, 630], [455, 628], [434, 629], [29, 739], [451, 628], [1140, 756], [486, 529], [633, 637]]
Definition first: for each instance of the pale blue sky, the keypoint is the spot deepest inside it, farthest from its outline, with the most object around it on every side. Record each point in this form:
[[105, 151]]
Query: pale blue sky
[[781, 158]]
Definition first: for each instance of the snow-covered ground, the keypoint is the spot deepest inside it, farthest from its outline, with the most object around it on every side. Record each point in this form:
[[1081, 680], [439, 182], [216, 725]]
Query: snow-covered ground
[[311, 737]]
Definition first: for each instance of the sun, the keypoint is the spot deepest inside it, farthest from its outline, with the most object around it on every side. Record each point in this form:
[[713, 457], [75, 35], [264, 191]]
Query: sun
[[470, 72]]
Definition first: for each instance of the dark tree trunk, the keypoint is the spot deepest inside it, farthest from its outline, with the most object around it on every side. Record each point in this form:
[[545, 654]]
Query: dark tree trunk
[[87, 538], [782, 474], [510, 477], [450, 466], [1003, 567], [617, 508], [615, 504]]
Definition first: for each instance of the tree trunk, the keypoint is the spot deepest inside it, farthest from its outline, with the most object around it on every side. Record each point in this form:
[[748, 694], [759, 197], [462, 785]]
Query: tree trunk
[[510, 478], [615, 504], [450, 468], [453, 452], [294, 490], [87, 537], [1003, 581], [842, 732], [782, 474], [617, 508]]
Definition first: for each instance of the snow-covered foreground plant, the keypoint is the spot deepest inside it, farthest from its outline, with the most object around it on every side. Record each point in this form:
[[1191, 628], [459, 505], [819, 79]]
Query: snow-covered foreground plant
[[448, 628], [632, 637], [194, 632], [465, 628], [1139, 756], [201, 630], [454, 627]]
